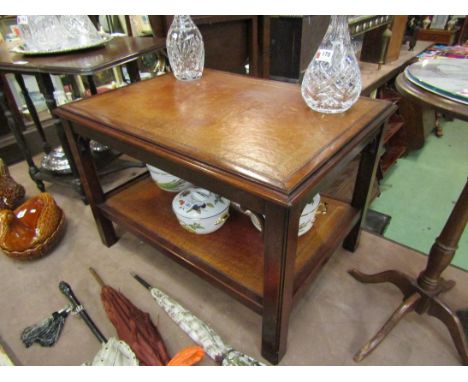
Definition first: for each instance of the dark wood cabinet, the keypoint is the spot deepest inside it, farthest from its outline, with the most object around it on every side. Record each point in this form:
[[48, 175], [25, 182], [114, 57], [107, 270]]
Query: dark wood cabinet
[[439, 36], [293, 42], [231, 42]]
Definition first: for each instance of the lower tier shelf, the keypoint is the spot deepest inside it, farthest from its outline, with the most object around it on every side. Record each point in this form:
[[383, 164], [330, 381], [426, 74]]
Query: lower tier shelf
[[232, 257]]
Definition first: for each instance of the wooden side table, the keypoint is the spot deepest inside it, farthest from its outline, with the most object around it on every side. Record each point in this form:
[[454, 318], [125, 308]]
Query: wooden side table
[[256, 143], [422, 295], [118, 51]]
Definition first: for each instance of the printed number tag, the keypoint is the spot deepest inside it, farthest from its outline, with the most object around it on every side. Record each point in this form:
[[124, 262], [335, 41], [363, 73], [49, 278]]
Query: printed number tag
[[22, 19], [324, 55]]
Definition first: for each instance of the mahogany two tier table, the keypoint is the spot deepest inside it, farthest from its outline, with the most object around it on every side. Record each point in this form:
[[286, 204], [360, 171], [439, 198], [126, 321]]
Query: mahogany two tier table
[[256, 143]]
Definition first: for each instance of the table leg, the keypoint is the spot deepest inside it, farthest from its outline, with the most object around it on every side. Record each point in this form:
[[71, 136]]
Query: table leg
[[443, 249], [363, 186], [281, 227], [90, 181], [92, 85], [32, 110], [47, 88], [430, 284], [79, 85], [18, 134], [133, 71]]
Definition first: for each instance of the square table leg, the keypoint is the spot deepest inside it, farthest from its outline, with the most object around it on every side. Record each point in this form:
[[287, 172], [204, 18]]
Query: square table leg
[[82, 153], [281, 229], [363, 186]]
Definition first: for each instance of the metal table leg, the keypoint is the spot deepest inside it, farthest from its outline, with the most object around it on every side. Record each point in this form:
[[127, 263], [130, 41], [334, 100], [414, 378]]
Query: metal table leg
[[47, 88], [14, 126], [32, 110]]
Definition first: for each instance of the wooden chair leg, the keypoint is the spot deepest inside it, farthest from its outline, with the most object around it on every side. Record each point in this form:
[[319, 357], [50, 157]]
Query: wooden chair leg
[[407, 306]]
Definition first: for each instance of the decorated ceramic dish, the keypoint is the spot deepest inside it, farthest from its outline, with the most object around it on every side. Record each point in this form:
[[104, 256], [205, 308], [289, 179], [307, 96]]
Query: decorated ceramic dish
[[306, 221], [200, 211], [166, 181], [445, 76]]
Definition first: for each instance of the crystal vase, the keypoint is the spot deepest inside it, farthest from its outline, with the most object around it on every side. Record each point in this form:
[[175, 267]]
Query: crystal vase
[[185, 49], [332, 81]]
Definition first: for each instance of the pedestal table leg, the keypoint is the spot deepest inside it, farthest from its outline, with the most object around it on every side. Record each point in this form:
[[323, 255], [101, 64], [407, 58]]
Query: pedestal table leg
[[429, 284]]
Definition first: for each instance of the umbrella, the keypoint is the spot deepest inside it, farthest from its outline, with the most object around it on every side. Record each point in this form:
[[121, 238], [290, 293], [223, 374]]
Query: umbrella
[[133, 326], [198, 331], [47, 332], [113, 352]]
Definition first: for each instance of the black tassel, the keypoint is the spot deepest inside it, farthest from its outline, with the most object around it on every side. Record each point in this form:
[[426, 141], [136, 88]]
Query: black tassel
[[48, 331]]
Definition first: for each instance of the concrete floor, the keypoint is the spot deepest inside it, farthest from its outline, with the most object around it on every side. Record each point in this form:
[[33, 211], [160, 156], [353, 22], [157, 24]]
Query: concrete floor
[[335, 317]]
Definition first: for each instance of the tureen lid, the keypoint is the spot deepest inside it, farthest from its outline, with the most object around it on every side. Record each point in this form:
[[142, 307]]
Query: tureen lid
[[312, 205], [198, 203]]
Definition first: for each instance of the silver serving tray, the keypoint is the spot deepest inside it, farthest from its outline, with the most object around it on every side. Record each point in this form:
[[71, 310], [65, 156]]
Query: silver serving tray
[[23, 50]]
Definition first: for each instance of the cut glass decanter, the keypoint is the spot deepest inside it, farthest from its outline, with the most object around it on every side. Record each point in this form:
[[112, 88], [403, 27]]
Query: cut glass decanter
[[332, 81], [185, 49]]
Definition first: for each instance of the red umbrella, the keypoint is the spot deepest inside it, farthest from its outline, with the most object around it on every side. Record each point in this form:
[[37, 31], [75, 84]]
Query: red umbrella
[[133, 326]]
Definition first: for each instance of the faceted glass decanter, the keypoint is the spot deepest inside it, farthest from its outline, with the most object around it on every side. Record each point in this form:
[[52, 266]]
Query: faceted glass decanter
[[185, 49], [332, 81]]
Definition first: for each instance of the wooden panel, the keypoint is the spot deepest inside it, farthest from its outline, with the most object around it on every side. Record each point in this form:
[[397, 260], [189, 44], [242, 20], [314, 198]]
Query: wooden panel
[[231, 256], [437, 36], [285, 45], [398, 32], [226, 45], [313, 31], [372, 44], [230, 41], [253, 129]]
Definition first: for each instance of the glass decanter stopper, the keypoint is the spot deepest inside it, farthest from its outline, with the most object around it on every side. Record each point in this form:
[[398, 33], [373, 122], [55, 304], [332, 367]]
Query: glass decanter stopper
[[185, 49], [332, 81]]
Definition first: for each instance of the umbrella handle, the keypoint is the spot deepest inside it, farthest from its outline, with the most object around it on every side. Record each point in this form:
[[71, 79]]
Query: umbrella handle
[[68, 292], [97, 277]]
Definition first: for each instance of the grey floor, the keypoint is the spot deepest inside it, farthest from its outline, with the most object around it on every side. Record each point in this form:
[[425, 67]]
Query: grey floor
[[335, 317]]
